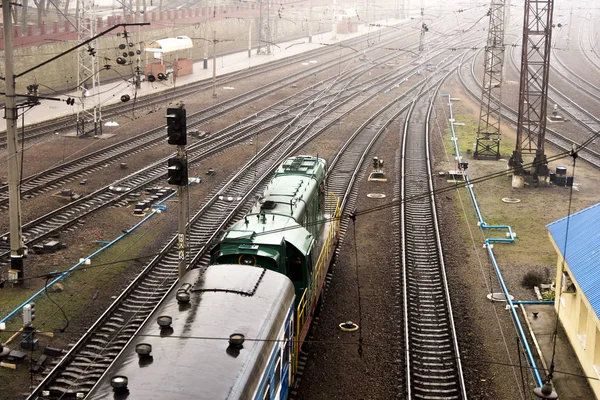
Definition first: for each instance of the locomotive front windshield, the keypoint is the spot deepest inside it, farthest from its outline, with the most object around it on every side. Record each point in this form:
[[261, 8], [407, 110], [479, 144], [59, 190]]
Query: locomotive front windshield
[[249, 259]]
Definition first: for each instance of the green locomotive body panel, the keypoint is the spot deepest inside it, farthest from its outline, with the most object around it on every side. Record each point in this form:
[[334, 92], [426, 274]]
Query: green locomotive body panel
[[281, 230]]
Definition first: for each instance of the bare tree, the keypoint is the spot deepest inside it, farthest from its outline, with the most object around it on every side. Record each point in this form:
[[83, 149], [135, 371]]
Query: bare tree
[[41, 9], [67, 4], [15, 15], [24, 19]]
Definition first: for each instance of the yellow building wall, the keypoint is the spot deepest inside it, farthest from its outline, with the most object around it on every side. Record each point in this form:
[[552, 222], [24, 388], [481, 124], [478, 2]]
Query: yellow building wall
[[580, 322]]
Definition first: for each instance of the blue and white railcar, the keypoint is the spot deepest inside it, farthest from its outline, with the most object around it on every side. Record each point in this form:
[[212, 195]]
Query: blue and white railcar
[[232, 340]]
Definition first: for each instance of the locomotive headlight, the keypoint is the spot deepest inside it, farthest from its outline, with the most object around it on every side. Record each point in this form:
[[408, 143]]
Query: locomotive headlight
[[247, 259]]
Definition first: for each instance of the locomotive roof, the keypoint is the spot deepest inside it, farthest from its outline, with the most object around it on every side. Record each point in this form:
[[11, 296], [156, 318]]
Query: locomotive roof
[[194, 362], [303, 165], [270, 230]]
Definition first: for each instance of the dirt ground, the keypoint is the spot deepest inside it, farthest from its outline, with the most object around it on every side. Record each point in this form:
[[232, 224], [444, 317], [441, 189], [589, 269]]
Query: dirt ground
[[363, 285]]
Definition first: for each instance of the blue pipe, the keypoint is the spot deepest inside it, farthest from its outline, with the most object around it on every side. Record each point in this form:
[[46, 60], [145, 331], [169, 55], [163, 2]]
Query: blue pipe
[[64, 274], [488, 245], [544, 302], [513, 312]]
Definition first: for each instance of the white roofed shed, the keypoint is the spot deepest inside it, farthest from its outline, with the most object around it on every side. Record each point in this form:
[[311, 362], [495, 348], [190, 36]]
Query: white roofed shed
[[170, 45], [175, 52]]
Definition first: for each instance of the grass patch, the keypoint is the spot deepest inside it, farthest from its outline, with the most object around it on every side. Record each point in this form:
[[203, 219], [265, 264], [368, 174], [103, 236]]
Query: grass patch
[[80, 288], [80, 291], [532, 252], [467, 135]]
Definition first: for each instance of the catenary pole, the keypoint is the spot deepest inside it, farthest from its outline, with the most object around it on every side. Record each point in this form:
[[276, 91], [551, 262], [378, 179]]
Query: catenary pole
[[17, 248], [214, 79]]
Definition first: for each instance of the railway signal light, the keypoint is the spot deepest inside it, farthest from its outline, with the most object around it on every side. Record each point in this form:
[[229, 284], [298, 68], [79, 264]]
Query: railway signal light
[[28, 314], [177, 126], [177, 171], [377, 163]]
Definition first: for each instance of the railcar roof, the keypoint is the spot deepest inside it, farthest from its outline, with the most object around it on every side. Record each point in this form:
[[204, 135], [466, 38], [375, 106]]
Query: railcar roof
[[193, 361]]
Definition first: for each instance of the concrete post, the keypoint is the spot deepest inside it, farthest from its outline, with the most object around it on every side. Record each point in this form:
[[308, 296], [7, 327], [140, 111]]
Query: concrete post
[[214, 94], [17, 249]]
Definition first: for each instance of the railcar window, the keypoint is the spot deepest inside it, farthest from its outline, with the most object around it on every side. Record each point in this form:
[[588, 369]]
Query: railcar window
[[286, 353], [321, 196], [277, 380], [267, 393]]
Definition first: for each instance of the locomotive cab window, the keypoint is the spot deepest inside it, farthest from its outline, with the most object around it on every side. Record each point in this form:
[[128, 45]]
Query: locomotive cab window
[[295, 269]]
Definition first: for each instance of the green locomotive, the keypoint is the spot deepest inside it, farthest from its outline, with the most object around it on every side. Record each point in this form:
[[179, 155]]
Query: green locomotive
[[292, 229]]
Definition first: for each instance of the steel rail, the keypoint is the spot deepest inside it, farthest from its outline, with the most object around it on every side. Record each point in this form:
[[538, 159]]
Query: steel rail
[[124, 318]]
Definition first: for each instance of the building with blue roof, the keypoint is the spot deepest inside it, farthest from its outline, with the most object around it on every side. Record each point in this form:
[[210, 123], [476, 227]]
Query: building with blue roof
[[576, 239]]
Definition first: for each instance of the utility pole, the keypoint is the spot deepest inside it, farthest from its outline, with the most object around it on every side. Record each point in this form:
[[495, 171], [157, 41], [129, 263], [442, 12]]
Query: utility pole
[[570, 23], [309, 21], [138, 53], [424, 29], [533, 91], [17, 248], [334, 22], [249, 38], [214, 80], [205, 60], [264, 30], [490, 112], [260, 27]]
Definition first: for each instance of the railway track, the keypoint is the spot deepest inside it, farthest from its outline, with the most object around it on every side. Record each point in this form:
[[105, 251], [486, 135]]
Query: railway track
[[50, 178], [261, 122], [473, 87], [82, 366], [578, 113], [433, 366], [92, 354], [68, 123]]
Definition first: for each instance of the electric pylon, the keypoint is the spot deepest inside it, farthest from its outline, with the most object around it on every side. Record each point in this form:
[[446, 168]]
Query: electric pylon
[[488, 132], [89, 112], [533, 93]]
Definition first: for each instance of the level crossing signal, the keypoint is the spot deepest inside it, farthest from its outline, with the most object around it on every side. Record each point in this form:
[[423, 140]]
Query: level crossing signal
[[177, 171], [177, 126]]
